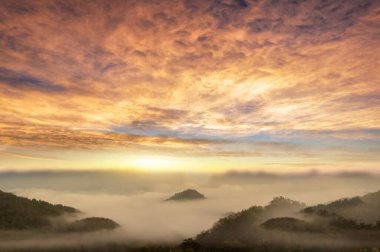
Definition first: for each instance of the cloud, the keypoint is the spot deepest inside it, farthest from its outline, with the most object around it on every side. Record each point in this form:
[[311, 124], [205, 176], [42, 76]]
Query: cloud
[[136, 201], [46, 137], [18, 155], [24, 81], [193, 68], [356, 134]]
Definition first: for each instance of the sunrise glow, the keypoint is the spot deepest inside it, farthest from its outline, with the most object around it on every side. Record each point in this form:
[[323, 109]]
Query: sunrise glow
[[98, 85]]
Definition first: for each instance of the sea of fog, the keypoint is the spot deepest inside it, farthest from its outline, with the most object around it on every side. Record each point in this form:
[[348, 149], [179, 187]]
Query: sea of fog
[[136, 200]]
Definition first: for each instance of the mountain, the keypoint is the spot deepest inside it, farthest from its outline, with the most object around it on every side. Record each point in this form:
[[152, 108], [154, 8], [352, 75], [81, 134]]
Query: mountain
[[372, 198], [364, 209], [289, 224], [240, 228], [19, 213], [342, 215], [92, 224], [22, 213], [285, 223], [189, 194]]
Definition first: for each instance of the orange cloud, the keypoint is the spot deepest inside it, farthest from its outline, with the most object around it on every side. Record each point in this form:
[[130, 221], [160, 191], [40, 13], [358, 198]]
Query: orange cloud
[[189, 75]]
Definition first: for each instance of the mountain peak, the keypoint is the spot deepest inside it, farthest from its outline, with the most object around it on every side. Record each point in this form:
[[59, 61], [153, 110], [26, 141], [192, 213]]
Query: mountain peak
[[189, 194]]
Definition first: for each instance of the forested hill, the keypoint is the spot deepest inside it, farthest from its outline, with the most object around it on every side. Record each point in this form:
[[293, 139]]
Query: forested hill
[[189, 194], [22, 213], [364, 209], [342, 224]]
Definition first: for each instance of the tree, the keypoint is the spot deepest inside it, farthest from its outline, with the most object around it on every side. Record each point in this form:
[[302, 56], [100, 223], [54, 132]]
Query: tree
[[189, 245]]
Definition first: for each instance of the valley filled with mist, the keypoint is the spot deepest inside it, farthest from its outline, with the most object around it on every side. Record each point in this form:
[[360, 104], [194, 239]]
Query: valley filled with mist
[[127, 211]]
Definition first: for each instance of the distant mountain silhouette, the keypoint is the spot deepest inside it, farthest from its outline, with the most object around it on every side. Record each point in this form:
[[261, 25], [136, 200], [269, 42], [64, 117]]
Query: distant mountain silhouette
[[241, 227], [365, 209], [19, 213], [189, 194], [348, 214], [288, 223], [92, 224]]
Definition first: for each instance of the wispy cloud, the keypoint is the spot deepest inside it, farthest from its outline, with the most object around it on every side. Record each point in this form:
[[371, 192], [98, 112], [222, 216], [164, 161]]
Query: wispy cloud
[[179, 75], [27, 156], [24, 81]]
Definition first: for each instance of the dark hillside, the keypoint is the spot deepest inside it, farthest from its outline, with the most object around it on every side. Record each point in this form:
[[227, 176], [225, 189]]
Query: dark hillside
[[22, 213], [189, 194]]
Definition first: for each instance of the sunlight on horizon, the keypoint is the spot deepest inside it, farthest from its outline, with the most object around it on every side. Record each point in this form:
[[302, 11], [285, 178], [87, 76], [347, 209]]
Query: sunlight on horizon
[[154, 163], [197, 86]]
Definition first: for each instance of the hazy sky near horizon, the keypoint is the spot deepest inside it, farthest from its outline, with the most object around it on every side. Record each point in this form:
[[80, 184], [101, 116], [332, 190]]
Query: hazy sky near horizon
[[190, 85]]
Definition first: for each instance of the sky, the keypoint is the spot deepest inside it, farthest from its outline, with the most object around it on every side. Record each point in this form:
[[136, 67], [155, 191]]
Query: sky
[[190, 85]]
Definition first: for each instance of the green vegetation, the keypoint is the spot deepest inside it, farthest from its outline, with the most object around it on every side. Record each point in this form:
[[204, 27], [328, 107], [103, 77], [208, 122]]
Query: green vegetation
[[363, 209], [92, 224], [226, 229], [189, 194], [242, 229], [22, 213], [283, 225], [287, 225], [19, 213]]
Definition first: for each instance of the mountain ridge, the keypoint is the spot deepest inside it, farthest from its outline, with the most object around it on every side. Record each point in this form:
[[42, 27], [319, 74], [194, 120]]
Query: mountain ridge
[[21, 213], [285, 222]]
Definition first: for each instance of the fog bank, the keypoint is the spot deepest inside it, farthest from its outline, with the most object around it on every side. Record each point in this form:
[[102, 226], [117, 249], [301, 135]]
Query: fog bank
[[136, 201]]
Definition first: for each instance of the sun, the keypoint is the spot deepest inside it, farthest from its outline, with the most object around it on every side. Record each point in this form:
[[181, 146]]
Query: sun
[[154, 163]]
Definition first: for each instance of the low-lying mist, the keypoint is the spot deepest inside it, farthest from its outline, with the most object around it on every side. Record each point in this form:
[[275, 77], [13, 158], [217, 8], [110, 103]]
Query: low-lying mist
[[137, 201]]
